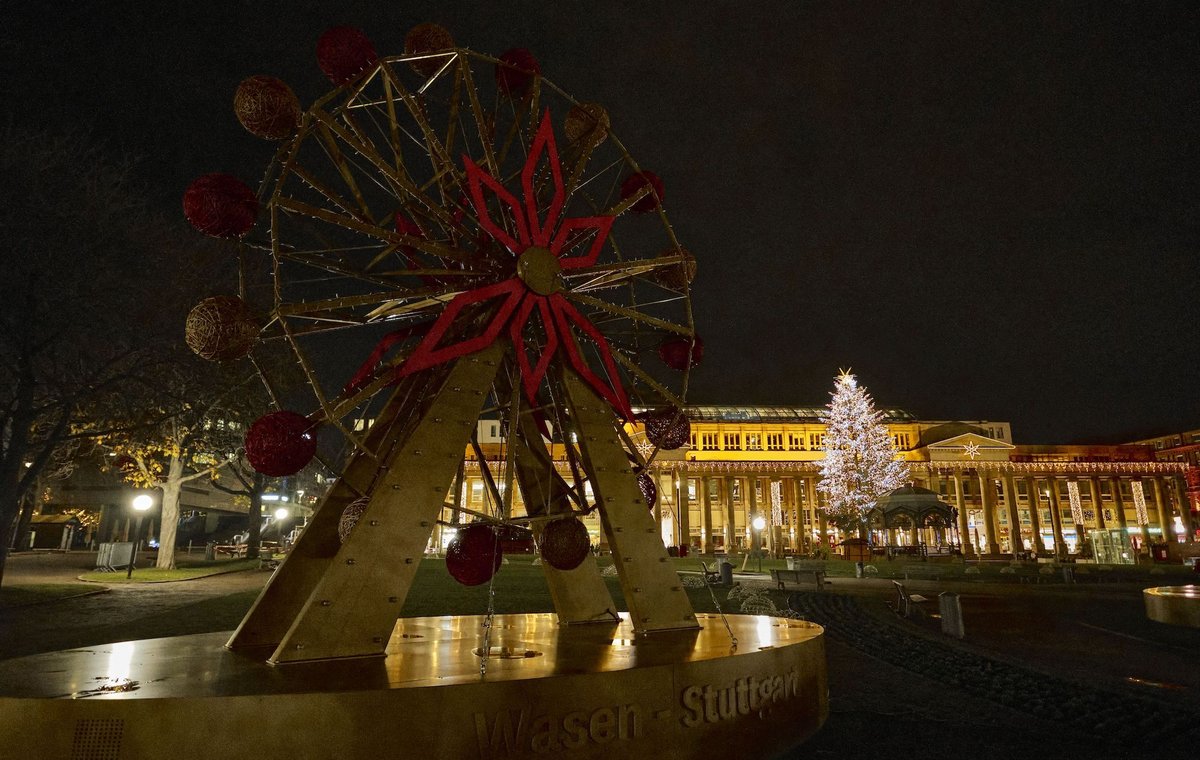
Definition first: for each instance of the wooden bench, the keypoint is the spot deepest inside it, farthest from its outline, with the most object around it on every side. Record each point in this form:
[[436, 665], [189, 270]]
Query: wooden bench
[[816, 576], [711, 577], [906, 604]]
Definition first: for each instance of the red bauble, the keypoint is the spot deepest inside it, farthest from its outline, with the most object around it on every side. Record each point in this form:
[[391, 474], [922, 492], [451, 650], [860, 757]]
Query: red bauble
[[266, 107], [674, 352], [220, 205], [667, 428], [565, 543], [344, 52], [280, 443], [649, 489], [423, 39], [515, 72], [474, 555], [635, 182], [221, 329]]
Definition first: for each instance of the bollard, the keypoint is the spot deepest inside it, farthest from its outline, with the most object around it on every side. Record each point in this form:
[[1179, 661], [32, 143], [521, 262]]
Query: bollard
[[951, 610], [726, 571]]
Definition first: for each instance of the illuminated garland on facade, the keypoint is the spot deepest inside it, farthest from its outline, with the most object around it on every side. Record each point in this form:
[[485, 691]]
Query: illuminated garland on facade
[[1076, 505], [776, 503], [1139, 502]]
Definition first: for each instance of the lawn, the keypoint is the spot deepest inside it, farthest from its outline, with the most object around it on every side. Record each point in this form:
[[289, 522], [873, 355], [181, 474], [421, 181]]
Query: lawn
[[36, 593], [186, 571]]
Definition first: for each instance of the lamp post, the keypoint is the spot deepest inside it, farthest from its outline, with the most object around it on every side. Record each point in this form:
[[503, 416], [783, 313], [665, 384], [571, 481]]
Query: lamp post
[[758, 523], [141, 503]]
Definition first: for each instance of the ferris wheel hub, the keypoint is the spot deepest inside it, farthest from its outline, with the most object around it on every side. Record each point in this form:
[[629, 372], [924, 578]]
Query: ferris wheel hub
[[539, 269]]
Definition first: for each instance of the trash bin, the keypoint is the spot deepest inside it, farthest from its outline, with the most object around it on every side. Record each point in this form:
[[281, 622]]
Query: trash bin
[[210, 550], [726, 571], [683, 550], [791, 563], [951, 610]]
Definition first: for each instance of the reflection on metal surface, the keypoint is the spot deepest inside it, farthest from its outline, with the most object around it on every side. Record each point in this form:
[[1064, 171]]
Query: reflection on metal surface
[[506, 653], [1154, 684], [1175, 605]]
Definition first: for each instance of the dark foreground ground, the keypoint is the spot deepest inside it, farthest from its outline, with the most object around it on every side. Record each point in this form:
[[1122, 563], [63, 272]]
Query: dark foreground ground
[[1044, 671]]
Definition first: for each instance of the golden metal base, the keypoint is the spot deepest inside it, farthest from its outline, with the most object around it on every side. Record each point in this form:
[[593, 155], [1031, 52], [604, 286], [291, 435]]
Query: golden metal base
[[591, 691], [1177, 605]]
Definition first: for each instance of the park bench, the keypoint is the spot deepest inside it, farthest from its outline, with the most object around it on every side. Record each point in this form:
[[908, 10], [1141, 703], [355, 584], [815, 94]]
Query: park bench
[[813, 575], [906, 604], [712, 577], [924, 572]]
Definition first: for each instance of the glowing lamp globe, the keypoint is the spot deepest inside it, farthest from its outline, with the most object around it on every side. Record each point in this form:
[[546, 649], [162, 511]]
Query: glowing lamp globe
[[648, 202], [667, 428], [220, 205], [280, 444], [424, 39], [649, 489], [221, 329], [343, 53], [142, 502], [474, 555], [565, 543], [758, 523], [675, 352], [266, 107], [281, 513], [515, 72]]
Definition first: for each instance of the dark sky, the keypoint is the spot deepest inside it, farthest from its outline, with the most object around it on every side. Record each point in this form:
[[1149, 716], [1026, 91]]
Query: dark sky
[[987, 210]]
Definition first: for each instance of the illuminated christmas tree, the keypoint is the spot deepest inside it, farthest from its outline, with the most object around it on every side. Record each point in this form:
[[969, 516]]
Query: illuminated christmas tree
[[860, 462]]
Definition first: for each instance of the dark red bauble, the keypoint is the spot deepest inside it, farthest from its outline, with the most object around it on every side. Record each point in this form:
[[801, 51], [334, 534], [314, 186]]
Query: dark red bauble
[[344, 52], [266, 107], [221, 329], [565, 543], [280, 443], [474, 555], [423, 39], [667, 428], [635, 182], [674, 352], [220, 205], [649, 489], [515, 72]]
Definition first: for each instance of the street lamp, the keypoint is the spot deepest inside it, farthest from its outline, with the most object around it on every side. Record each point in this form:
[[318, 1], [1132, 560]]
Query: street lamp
[[281, 513], [758, 523], [141, 503]]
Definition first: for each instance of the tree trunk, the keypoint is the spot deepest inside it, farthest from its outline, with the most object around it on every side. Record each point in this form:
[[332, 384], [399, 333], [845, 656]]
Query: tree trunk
[[9, 510], [171, 488], [255, 516], [24, 520]]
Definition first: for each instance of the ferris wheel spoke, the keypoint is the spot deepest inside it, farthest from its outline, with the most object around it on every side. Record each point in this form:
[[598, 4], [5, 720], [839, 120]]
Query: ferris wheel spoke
[[615, 272], [334, 152], [388, 297], [641, 374], [634, 314], [370, 154], [436, 150], [485, 139], [317, 261], [394, 129]]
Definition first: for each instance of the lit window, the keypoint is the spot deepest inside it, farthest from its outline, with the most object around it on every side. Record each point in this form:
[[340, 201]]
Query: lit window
[[733, 441], [753, 442], [795, 442], [775, 441]]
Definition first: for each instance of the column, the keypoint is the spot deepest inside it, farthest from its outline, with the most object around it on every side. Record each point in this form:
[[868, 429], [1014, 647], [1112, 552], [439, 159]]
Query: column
[[1165, 523], [964, 536], [1014, 516], [730, 523], [1035, 515], [1060, 546], [751, 500], [798, 539], [683, 505], [1178, 488], [1097, 503], [818, 513], [1118, 505], [706, 540], [987, 498]]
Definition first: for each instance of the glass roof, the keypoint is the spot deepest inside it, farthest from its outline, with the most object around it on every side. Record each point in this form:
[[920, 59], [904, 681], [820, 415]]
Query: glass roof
[[774, 414]]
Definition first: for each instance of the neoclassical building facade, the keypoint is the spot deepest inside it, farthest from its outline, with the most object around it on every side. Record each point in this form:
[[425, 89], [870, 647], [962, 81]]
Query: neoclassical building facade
[[1009, 499]]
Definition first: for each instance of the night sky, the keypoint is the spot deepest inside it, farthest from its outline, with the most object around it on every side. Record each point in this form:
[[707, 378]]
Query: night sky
[[987, 210]]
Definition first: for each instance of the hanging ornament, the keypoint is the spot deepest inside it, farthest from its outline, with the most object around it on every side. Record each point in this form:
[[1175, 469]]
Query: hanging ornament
[[648, 202], [280, 444], [565, 543], [515, 72], [586, 124], [474, 555], [343, 53], [221, 329], [667, 428], [350, 517], [220, 205], [678, 276], [649, 489], [424, 39], [266, 107], [674, 352]]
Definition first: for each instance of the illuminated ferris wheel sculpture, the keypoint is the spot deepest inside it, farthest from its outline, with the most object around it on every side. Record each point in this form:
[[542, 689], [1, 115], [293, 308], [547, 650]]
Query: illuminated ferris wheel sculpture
[[483, 247]]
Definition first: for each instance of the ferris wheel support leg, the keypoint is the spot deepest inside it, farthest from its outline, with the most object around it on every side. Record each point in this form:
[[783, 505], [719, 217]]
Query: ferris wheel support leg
[[352, 608], [580, 595], [653, 592]]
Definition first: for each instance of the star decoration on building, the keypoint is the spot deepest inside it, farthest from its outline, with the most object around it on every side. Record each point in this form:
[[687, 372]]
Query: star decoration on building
[[970, 450]]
